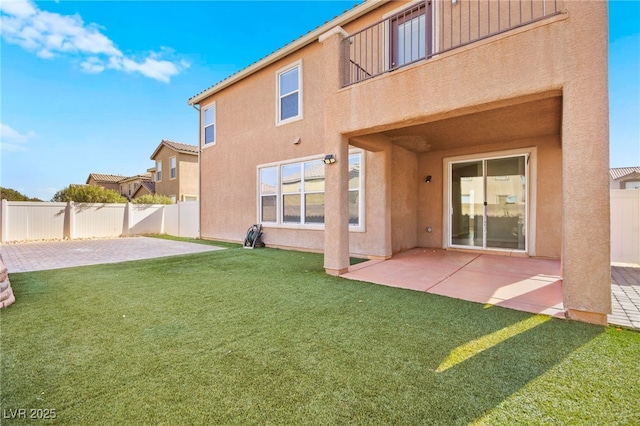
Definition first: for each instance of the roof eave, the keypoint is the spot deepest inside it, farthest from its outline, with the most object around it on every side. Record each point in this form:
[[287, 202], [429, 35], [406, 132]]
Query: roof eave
[[303, 41]]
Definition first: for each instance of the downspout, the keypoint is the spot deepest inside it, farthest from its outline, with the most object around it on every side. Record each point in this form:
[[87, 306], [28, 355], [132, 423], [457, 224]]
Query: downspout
[[199, 170]]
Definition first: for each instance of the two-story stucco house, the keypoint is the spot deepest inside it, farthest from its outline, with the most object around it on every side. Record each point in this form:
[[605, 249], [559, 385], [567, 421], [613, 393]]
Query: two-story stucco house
[[452, 124], [175, 174], [106, 181], [130, 185]]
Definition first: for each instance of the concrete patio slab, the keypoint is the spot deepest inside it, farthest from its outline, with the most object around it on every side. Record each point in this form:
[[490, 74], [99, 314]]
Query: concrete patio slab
[[526, 284]]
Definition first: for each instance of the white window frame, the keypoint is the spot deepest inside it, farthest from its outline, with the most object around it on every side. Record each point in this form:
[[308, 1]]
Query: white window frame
[[299, 116], [279, 223], [435, 29], [204, 109], [532, 197], [158, 171], [173, 168]]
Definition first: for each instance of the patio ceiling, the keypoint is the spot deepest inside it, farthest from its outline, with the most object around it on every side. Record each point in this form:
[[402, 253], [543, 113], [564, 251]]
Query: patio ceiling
[[521, 121]]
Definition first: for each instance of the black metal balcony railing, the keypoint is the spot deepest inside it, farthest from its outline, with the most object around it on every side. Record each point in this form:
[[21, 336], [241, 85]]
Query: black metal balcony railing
[[433, 27]]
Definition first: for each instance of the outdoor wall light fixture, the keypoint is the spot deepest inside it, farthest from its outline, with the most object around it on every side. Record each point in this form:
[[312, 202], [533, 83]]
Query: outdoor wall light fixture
[[329, 159], [428, 179]]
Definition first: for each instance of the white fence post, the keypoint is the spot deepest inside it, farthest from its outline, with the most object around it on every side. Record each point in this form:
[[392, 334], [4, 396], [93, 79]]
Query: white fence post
[[69, 221], [4, 218], [126, 225]]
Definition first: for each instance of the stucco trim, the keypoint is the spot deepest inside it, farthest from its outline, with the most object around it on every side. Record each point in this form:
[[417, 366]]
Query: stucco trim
[[331, 32]]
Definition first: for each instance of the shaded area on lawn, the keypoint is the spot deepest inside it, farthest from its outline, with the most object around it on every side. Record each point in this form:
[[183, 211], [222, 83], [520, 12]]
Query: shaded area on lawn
[[264, 336]]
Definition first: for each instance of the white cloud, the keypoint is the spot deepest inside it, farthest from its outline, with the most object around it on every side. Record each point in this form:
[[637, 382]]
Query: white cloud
[[150, 67], [17, 8], [12, 140], [51, 34], [92, 65]]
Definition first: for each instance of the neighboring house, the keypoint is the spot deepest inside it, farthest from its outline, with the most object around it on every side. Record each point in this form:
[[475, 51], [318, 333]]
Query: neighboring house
[[146, 187], [176, 170], [624, 178], [464, 125], [129, 185], [106, 181]]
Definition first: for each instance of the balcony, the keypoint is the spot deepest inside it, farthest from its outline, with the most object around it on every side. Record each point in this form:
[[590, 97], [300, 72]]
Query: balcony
[[432, 27]]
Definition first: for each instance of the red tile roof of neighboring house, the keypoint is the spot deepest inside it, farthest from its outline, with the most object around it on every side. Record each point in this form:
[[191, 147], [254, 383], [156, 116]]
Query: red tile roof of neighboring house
[[620, 172], [148, 185], [99, 177], [176, 146], [143, 177]]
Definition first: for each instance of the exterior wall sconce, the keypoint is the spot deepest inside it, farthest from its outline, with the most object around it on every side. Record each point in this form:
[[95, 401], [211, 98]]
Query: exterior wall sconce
[[428, 179], [329, 159]]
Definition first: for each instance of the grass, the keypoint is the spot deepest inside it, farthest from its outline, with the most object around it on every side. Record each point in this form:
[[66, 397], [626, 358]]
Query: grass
[[265, 337]]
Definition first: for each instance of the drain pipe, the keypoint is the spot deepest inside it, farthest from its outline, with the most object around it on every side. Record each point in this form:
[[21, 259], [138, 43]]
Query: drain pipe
[[199, 170]]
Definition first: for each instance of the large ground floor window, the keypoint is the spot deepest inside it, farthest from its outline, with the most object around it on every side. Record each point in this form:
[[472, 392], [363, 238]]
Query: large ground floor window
[[292, 193]]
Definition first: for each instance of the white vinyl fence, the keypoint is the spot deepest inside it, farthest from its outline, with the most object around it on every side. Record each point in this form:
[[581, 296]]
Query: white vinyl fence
[[32, 221], [625, 225]]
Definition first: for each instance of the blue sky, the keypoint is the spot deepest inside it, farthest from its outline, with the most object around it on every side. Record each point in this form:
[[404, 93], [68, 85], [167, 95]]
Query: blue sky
[[94, 86]]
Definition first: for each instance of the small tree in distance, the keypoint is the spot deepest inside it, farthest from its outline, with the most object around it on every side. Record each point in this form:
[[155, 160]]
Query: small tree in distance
[[152, 199], [13, 195], [88, 194]]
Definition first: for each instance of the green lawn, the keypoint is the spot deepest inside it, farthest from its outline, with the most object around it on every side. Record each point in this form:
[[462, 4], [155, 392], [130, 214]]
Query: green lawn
[[265, 337]]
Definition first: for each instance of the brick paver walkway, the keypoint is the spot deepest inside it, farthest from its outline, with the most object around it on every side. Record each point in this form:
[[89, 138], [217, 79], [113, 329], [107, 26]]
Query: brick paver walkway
[[625, 296], [38, 256]]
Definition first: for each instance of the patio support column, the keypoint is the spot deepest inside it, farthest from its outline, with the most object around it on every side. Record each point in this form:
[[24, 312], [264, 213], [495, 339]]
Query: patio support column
[[586, 267], [336, 207]]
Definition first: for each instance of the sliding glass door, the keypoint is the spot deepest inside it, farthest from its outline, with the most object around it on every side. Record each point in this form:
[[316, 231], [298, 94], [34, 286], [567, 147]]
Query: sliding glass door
[[488, 203]]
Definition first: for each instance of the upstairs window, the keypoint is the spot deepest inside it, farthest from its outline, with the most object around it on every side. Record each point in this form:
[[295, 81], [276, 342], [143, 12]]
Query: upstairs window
[[408, 36], [289, 87], [158, 171], [173, 167], [209, 125]]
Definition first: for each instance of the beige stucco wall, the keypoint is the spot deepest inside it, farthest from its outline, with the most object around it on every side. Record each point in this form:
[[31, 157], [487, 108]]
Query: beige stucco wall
[[186, 180], [187, 175], [247, 136], [140, 192], [166, 186], [551, 75], [404, 199]]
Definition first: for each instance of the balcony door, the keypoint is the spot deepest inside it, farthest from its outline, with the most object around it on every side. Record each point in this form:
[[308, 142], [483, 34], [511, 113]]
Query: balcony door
[[488, 203], [409, 31]]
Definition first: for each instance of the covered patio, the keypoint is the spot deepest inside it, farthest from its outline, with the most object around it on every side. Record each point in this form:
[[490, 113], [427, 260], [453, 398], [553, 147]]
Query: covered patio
[[525, 284]]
